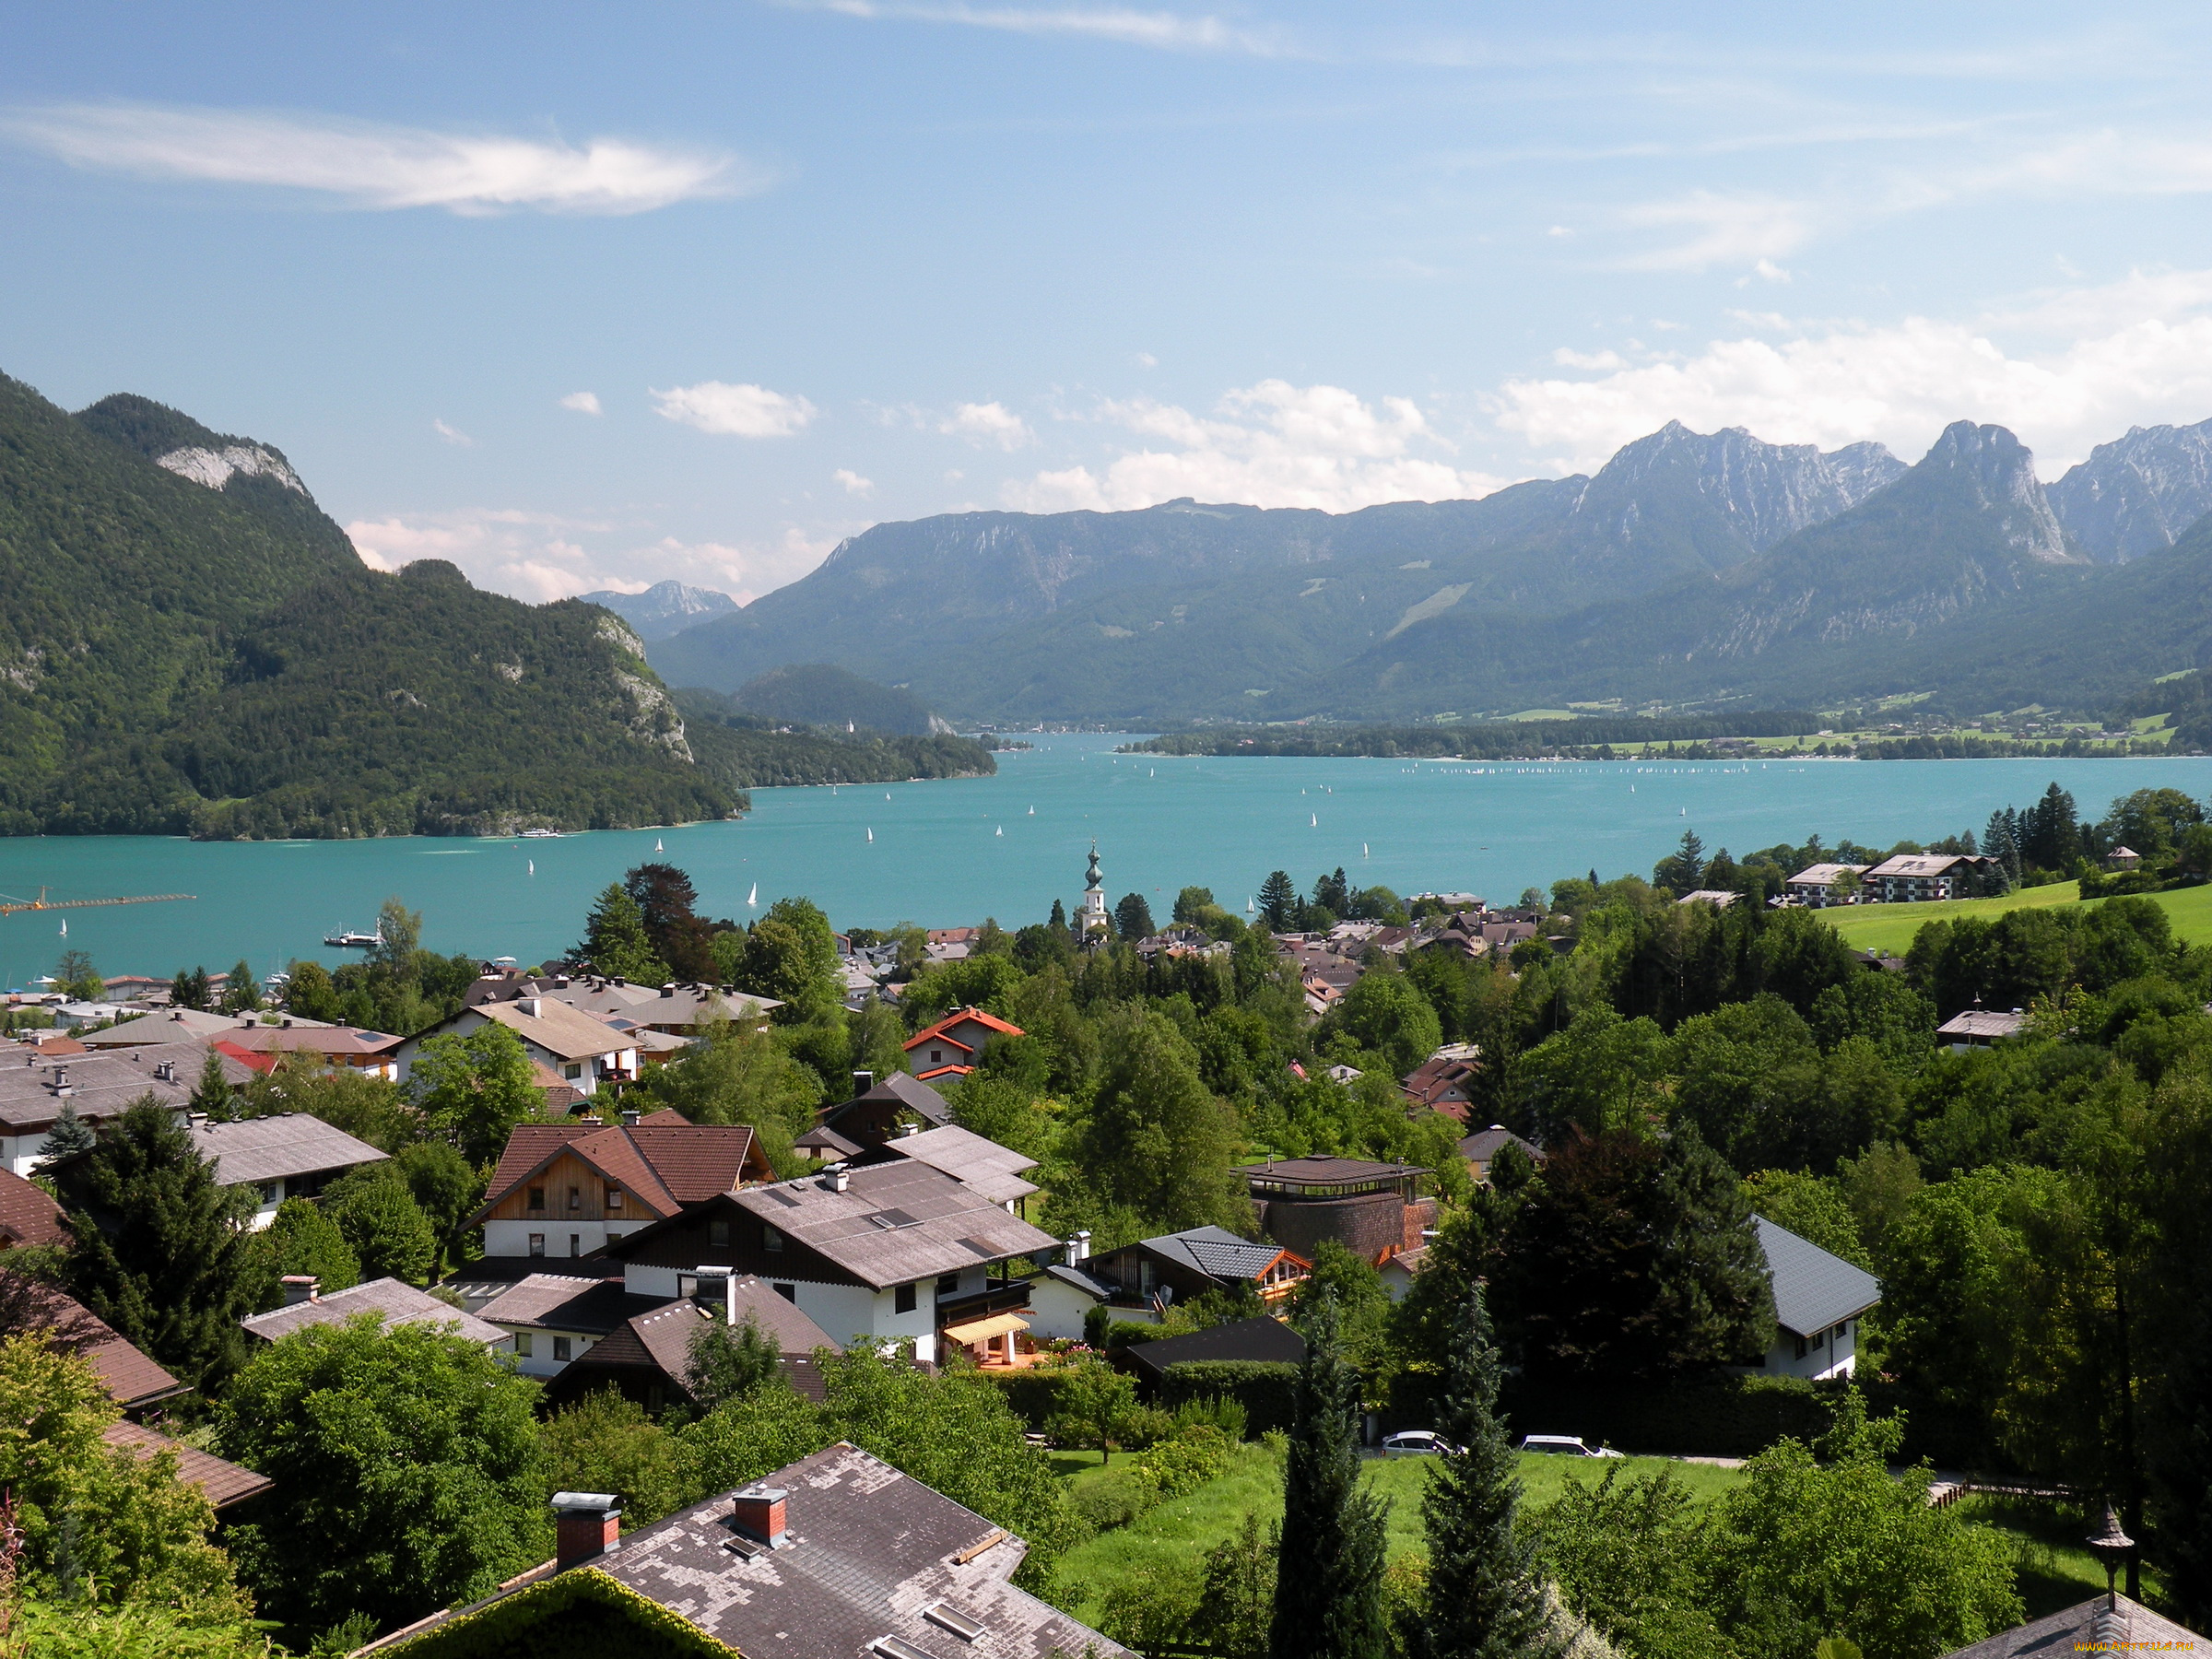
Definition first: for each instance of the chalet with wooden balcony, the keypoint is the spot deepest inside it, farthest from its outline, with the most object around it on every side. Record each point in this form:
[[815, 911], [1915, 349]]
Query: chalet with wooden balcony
[[566, 1190]]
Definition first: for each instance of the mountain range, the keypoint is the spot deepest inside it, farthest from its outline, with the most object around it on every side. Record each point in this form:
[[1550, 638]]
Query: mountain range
[[663, 608], [191, 645], [1691, 570]]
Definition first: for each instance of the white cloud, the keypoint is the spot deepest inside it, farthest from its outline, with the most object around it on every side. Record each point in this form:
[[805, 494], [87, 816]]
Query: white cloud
[[447, 434], [1128, 25], [739, 411], [1272, 445], [538, 557], [987, 423], [2065, 371], [1146, 359], [583, 403], [1721, 229], [854, 484], [373, 166]]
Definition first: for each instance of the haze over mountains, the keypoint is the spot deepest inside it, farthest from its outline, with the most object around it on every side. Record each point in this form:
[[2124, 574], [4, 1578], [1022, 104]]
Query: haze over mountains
[[1690, 569]]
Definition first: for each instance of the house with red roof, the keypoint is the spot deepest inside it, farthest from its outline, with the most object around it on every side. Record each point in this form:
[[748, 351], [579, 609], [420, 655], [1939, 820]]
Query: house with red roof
[[954, 1047], [569, 1189]]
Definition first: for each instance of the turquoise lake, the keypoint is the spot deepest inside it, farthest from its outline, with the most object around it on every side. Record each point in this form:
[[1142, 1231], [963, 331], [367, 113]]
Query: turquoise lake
[[938, 857]]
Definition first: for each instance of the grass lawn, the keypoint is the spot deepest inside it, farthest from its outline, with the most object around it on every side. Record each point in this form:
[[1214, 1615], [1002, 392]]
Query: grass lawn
[[2055, 1569], [1891, 926], [1178, 1533]]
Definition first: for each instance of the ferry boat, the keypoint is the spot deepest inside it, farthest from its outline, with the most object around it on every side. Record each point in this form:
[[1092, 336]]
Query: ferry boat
[[541, 835], [353, 941]]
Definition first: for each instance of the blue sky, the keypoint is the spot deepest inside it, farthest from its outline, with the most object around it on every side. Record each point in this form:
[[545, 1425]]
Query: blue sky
[[580, 296]]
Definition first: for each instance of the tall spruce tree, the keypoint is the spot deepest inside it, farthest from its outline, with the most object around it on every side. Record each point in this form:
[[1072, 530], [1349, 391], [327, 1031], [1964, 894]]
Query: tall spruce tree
[[1278, 900], [211, 1095], [1328, 1592], [159, 1253], [1484, 1598]]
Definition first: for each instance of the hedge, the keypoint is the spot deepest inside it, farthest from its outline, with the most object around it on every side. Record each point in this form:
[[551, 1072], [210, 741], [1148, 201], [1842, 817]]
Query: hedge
[[581, 1614], [1265, 1388], [1032, 1396]]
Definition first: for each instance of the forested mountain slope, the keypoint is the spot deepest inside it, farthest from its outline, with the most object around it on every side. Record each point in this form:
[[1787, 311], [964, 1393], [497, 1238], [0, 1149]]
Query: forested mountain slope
[[190, 645]]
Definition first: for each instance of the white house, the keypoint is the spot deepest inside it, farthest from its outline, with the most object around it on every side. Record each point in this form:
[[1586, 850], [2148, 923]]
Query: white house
[[581, 1051], [287, 1155], [1815, 886], [97, 1086], [1819, 1302], [898, 1250]]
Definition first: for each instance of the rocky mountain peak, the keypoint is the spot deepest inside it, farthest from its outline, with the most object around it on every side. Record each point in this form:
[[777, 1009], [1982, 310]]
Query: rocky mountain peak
[[1998, 472], [663, 608], [2138, 494], [1767, 491]]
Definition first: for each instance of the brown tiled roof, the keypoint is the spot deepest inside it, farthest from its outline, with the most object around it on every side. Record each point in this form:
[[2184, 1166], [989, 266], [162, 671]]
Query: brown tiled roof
[[222, 1484], [668, 1165], [312, 1038], [27, 1216], [869, 1555], [555, 1028], [130, 1376]]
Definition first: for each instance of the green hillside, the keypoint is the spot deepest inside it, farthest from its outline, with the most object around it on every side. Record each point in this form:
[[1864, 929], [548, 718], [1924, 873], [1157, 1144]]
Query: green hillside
[[747, 751], [821, 694], [182, 657], [1890, 928]]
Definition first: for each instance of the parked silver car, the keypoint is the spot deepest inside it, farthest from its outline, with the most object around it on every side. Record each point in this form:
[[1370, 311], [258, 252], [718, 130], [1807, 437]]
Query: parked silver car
[[1416, 1442], [1564, 1445]]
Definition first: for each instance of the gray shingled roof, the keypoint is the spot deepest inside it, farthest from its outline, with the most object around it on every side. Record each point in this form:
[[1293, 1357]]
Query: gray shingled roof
[[1812, 1288], [399, 1303], [269, 1148], [870, 1553], [908, 1090], [100, 1086], [2131, 1626], [1216, 1251], [895, 1223], [984, 1166]]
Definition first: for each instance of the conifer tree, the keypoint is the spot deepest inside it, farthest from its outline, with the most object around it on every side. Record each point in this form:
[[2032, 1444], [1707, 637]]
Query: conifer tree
[[1328, 1593], [158, 1252], [241, 992], [615, 941], [189, 988], [1484, 1600], [1279, 899], [69, 1135], [1058, 919], [211, 1095]]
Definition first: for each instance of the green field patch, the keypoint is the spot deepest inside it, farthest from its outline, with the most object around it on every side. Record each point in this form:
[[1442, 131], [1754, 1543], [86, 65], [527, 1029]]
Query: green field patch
[[1890, 928]]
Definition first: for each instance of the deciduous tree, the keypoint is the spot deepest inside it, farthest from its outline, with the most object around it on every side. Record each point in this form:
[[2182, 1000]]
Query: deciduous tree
[[409, 1471]]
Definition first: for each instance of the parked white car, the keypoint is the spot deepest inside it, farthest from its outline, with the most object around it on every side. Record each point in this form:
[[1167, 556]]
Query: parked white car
[[1416, 1442], [1564, 1445]]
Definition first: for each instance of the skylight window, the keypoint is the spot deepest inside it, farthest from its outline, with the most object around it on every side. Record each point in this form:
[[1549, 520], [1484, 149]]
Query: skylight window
[[951, 1618], [897, 1647]]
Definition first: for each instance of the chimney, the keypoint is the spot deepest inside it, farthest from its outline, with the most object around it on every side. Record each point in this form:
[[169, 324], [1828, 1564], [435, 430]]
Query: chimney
[[560, 982], [908, 1129], [631, 1116], [1078, 1247], [586, 1526], [759, 1510], [862, 1082], [716, 1288], [301, 1288], [667, 990], [286, 1023], [835, 1179]]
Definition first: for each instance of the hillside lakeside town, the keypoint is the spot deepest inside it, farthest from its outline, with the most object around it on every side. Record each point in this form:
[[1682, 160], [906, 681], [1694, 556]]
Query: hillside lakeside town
[[787, 1213]]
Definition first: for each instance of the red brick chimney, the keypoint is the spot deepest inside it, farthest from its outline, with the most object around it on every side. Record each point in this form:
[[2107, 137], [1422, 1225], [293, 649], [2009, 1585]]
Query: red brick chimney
[[586, 1526], [759, 1510]]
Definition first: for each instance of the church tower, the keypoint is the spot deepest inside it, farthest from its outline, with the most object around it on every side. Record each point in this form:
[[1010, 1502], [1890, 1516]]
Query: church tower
[[1092, 917]]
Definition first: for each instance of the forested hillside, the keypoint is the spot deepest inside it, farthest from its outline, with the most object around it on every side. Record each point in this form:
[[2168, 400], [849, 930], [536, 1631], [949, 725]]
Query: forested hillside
[[191, 646]]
